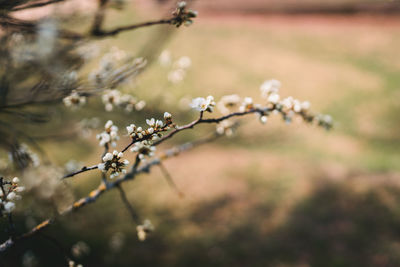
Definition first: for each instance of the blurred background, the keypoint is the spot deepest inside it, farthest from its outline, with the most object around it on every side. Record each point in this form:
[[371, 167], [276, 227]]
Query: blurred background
[[271, 195]]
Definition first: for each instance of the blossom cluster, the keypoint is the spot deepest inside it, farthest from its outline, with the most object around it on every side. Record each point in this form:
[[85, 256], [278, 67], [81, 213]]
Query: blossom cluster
[[23, 156], [144, 229], [203, 104], [144, 138], [74, 100], [183, 15], [109, 136], [113, 161], [9, 194], [178, 72], [287, 107], [128, 102], [116, 67], [142, 142]]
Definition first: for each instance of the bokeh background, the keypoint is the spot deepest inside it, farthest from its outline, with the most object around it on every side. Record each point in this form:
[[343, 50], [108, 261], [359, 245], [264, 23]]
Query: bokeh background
[[274, 194]]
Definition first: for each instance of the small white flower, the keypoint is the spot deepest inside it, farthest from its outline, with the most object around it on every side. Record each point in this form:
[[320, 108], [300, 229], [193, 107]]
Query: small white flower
[[269, 87], [108, 124], [182, 4], [9, 206], [202, 104], [288, 102], [19, 189], [273, 98], [263, 119], [159, 124], [108, 157], [247, 104], [184, 62], [144, 229], [151, 122], [248, 100], [131, 128], [140, 105], [227, 102], [176, 76], [15, 180], [74, 100], [165, 58], [305, 105], [11, 196], [167, 115], [327, 119], [101, 166], [296, 106]]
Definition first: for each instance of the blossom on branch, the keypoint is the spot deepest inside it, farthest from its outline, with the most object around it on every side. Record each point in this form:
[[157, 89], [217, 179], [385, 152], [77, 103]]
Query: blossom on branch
[[113, 161], [109, 136], [203, 104], [9, 194]]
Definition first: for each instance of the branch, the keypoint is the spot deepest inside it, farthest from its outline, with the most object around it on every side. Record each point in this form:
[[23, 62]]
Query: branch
[[128, 206], [176, 130], [104, 187], [170, 181], [102, 33], [84, 169], [35, 4], [99, 17]]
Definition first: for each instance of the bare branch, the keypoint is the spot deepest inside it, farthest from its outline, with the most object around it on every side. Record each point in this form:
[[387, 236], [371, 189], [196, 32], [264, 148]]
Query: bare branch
[[84, 169], [101, 33], [170, 181], [35, 4], [133, 213], [99, 17]]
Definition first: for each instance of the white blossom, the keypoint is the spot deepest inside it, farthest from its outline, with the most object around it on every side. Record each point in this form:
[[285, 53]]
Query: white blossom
[[113, 161], [74, 100], [246, 105], [9, 206], [273, 98], [228, 102], [140, 105], [269, 87], [109, 136], [203, 104], [263, 119], [144, 229], [184, 62], [167, 116], [165, 58], [176, 76]]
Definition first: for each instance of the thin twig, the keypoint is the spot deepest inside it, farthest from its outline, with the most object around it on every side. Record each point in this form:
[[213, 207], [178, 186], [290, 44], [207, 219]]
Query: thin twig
[[58, 245], [84, 169], [99, 17], [170, 181], [102, 33], [134, 215], [102, 188], [36, 4]]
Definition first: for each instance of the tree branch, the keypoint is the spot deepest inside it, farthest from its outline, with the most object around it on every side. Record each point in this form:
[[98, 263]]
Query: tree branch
[[35, 4], [133, 213], [102, 188], [170, 181]]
